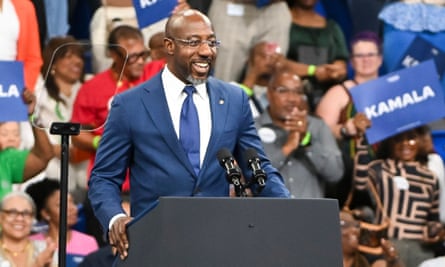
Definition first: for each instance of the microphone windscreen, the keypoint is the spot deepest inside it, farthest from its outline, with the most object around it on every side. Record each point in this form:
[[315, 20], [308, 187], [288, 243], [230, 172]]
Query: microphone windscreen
[[222, 154], [251, 153]]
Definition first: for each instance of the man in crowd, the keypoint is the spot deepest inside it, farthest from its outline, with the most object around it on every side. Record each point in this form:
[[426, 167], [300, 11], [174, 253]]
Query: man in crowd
[[299, 145]]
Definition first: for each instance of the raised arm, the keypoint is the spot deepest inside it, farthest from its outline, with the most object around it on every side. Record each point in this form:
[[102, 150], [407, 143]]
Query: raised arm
[[42, 151]]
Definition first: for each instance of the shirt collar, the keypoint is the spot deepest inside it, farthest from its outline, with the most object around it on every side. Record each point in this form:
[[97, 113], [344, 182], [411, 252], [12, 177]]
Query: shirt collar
[[175, 85]]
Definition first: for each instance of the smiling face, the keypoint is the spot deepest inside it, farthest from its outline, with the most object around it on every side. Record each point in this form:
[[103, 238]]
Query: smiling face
[[16, 218], [190, 64], [405, 146], [69, 67], [9, 135]]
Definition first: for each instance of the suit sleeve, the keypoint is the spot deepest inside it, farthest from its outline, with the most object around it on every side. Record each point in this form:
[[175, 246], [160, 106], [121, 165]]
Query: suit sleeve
[[110, 166]]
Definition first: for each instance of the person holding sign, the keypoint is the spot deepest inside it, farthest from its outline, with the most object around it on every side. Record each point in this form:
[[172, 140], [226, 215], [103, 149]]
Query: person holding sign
[[408, 190], [337, 109], [17, 166]]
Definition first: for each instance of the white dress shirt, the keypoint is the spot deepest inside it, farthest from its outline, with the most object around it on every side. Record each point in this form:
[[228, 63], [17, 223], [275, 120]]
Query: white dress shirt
[[173, 88]]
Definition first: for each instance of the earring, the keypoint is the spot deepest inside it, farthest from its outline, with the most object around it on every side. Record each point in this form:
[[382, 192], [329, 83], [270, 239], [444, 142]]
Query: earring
[[53, 71]]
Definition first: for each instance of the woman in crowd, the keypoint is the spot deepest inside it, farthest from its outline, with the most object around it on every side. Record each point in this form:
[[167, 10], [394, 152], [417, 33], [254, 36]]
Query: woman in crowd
[[317, 49], [408, 190], [63, 70], [16, 249], [337, 109], [46, 195]]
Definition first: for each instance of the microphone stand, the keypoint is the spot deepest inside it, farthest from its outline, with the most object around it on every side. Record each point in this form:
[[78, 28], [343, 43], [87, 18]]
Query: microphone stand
[[64, 129]]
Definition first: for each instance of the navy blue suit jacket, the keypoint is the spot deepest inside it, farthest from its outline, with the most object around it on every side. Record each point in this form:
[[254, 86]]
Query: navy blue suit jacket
[[139, 135]]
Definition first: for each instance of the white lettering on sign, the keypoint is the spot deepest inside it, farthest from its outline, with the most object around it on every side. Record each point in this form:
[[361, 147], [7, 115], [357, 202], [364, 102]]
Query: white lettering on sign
[[147, 3], [399, 102], [11, 91]]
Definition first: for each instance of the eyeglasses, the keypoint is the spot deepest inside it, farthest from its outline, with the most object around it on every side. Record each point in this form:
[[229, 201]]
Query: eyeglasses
[[195, 43], [14, 214], [363, 55], [132, 58], [287, 92]]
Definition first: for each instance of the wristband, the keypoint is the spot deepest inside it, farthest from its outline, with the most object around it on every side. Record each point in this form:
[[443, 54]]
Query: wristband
[[306, 139], [34, 120], [246, 89], [96, 140], [311, 70]]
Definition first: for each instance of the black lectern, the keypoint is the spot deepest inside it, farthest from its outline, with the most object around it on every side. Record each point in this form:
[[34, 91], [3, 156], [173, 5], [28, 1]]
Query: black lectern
[[230, 232]]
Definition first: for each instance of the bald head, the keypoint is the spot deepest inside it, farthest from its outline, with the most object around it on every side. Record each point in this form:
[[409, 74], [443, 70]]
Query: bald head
[[282, 76], [191, 46], [177, 21]]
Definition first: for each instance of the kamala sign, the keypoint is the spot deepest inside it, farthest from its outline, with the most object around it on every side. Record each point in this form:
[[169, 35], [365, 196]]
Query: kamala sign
[[400, 100], [151, 11], [12, 107]]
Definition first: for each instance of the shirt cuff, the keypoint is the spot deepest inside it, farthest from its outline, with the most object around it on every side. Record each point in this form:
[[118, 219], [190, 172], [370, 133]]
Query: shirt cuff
[[115, 217]]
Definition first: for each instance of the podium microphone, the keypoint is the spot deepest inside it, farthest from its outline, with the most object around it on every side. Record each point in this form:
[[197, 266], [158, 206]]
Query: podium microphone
[[233, 172], [258, 174]]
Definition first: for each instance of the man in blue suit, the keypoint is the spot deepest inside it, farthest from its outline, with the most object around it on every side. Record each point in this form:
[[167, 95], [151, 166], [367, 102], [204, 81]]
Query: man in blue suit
[[142, 133]]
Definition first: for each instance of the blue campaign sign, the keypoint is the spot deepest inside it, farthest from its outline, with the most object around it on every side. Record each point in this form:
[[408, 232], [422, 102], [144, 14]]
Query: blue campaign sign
[[400, 100], [12, 107], [151, 11], [421, 50]]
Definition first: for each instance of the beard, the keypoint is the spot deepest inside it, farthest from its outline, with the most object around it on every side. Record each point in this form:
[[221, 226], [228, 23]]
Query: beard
[[195, 81]]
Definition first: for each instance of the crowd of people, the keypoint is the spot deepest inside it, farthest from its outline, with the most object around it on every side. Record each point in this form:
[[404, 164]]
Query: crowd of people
[[149, 99]]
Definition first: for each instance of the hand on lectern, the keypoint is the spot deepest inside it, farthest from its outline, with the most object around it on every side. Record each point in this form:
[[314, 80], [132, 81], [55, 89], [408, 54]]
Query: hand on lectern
[[118, 236]]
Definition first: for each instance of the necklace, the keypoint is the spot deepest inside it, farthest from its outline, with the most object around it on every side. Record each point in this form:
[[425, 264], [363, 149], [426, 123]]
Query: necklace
[[15, 253]]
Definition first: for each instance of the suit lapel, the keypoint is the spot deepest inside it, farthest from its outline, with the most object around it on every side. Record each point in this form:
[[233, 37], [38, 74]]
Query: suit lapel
[[219, 108], [156, 105]]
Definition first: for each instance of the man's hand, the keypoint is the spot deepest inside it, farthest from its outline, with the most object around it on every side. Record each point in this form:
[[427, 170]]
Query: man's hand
[[118, 236], [296, 125]]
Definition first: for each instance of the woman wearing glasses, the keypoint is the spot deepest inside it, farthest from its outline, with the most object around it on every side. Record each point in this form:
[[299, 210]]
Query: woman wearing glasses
[[46, 195], [338, 111], [16, 249], [63, 72]]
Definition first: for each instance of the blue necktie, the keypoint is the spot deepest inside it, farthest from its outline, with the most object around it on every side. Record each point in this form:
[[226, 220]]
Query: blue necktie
[[189, 128]]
